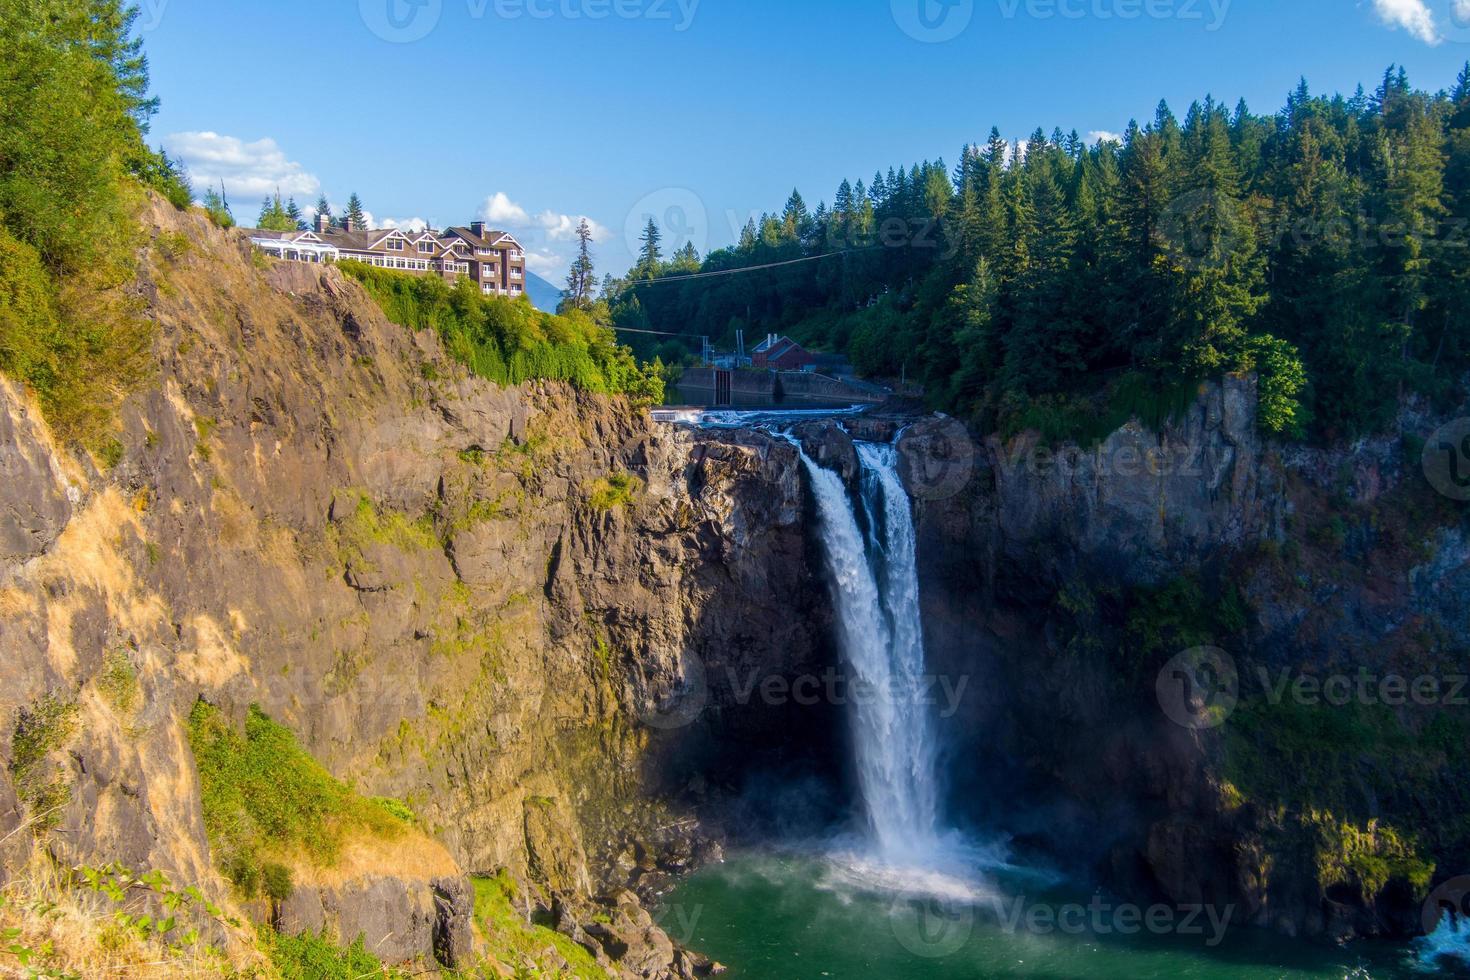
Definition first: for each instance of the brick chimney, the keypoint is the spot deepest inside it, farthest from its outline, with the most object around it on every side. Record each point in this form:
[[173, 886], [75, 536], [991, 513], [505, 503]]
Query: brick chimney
[[323, 224], [348, 224], [478, 227]]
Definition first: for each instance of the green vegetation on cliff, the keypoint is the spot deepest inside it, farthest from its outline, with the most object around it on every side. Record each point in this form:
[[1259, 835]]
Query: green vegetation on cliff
[[509, 341], [74, 110], [515, 940], [268, 804]]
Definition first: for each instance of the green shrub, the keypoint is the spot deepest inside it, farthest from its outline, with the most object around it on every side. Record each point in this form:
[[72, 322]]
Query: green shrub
[[315, 957], [513, 940], [612, 492], [42, 729], [397, 809], [118, 682], [276, 881], [509, 341], [266, 800]]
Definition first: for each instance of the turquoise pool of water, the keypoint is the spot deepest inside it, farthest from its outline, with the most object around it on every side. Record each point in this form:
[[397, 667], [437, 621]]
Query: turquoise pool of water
[[789, 915]]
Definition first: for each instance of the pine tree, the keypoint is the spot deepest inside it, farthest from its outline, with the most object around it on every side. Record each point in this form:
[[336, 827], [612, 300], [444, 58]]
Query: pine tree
[[323, 210], [749, 236], [293, 211], [355, 214], [650, 253], [795, 221], [581, 279], [274, 215]]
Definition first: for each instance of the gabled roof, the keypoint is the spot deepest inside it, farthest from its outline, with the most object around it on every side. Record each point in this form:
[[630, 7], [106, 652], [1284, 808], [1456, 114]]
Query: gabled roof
[[490, 239]]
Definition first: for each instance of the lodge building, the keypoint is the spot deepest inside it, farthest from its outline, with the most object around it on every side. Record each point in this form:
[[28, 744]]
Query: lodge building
[[492, 259]]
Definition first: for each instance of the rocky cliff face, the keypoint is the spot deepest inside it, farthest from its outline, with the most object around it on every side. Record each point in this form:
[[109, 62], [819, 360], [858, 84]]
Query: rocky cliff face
[[451, 592], [1063, 585]]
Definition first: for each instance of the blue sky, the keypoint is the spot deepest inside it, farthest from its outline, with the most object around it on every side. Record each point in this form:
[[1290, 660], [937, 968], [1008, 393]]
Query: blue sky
[[533, 113]]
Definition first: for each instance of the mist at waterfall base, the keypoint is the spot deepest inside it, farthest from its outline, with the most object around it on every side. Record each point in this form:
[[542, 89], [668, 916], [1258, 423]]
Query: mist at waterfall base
[[899, 895]]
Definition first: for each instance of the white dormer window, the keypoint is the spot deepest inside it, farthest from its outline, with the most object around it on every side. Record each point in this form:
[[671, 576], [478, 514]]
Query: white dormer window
[[394, 244], [427, 247]]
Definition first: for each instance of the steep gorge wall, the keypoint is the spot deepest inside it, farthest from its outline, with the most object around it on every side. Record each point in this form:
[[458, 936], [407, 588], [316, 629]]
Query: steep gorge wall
[[419, 573], [1061, 585]]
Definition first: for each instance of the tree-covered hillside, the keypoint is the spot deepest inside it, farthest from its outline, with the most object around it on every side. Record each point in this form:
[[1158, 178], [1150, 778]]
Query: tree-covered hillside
[[1061, 285]]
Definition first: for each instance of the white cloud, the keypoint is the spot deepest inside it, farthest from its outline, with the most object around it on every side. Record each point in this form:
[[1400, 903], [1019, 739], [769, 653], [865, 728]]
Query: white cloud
[[563, 227], [546, 264], [1103, 136], [499, 209], [407, 224], [1413, 16], [249, 171], [503, 212]]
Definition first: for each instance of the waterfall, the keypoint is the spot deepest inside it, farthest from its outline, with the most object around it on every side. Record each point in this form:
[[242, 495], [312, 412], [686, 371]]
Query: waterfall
[[875, 585]]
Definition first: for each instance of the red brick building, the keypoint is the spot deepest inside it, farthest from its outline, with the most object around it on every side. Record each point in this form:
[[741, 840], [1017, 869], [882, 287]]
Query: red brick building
[[781, 354]]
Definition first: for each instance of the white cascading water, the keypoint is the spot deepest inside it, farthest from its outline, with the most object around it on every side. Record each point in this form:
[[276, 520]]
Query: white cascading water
[[876, 591]]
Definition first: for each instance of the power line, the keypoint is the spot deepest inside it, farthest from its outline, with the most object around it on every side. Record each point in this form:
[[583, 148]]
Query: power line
[[748, 268], [656, 333]]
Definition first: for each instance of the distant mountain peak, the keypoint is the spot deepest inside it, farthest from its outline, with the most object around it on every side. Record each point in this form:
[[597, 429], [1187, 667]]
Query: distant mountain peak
[[544, 296]]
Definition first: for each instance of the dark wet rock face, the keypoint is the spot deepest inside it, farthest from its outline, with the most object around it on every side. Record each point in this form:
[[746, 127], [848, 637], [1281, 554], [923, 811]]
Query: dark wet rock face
[[1059, 583]]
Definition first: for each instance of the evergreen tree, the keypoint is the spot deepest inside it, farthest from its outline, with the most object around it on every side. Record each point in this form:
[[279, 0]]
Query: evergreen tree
[[217, 206], [355, 213], [293, 211], [323, 210], [274, 215], [581, 280], [650, 252], [795, 221]]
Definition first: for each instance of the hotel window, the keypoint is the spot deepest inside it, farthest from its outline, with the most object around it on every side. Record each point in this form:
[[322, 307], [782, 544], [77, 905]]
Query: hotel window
[[487, 271], [426, 247], [394, 244], [515, 289]]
